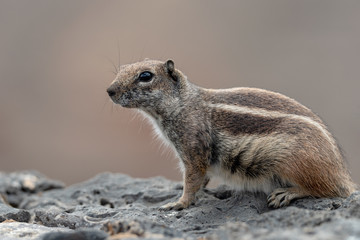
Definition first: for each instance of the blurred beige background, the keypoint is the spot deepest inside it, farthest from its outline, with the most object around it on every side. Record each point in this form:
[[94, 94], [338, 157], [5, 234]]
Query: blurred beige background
[[55, 116]]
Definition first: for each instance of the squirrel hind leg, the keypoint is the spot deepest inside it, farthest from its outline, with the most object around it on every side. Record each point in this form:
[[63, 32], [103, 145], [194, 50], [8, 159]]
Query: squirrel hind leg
[[282, 197]]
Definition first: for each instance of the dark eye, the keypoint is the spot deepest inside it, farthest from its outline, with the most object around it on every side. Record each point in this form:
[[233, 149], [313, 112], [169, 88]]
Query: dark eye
[[145, 76]]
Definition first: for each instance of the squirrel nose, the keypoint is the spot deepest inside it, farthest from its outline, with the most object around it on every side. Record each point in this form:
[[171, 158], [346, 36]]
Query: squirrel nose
[[111, 92]]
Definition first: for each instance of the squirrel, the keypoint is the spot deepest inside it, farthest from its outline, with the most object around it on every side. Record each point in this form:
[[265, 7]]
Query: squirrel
[[254, 139]]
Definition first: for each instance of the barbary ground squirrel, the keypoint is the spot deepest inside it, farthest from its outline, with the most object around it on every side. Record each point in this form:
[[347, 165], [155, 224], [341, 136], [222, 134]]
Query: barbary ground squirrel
[[254, 139]]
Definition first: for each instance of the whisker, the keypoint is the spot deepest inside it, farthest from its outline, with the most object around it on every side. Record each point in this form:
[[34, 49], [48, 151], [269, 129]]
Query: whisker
[[142, 53], [103, 107], [164, 54], [134, 116], [142, 121], [132, 55], [117, 108], [112, 109], [112, 63], [112, 71], [118, 48]]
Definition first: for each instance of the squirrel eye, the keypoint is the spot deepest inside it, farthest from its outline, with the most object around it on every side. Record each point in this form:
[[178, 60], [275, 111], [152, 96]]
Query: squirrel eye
[[145, 76]]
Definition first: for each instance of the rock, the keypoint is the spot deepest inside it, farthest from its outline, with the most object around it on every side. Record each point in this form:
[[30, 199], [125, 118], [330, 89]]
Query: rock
[[10, 213], [127, 208], [11, 230], [337, 229], [76, 235], [14, 187]]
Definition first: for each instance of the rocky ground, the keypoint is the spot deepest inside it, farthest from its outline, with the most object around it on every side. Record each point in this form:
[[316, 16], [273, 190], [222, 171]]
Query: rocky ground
[[116, 206]]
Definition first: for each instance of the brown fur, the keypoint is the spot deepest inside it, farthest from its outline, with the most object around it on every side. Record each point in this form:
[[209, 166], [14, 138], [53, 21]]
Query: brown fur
[[254, 139]]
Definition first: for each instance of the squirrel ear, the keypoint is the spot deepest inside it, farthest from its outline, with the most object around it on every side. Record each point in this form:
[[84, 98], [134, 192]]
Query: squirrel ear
[[170, 69], [170, 65]]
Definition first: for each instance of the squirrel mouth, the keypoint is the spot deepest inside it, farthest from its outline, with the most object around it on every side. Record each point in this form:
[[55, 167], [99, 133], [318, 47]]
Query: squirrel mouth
[[125, 100]]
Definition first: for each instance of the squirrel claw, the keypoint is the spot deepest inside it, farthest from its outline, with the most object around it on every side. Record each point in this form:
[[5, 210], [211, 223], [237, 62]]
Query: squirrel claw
[[173, 206]]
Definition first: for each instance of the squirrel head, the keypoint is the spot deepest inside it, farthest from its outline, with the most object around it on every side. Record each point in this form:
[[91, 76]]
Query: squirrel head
[[147, 85]]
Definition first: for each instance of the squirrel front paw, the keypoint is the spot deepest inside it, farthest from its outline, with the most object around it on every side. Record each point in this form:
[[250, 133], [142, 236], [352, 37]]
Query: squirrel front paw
[[174, 206]]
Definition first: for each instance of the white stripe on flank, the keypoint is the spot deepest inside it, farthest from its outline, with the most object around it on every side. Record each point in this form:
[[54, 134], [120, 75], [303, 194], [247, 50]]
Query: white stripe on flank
[[275, 114]]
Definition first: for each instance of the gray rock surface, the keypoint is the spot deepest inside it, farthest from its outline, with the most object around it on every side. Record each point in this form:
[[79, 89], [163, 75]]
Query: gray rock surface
[[16, 186], [9, 213], [122, 207], [11, 230]]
